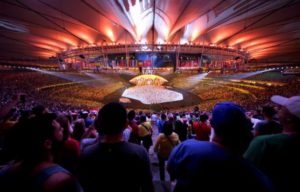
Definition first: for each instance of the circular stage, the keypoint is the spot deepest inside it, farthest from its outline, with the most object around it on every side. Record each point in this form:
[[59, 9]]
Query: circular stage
[[189, 101], [149, 89], [149, 94]]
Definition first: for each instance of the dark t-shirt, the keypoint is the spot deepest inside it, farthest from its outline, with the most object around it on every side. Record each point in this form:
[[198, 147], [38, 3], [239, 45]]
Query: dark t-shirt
[[205, 166], [121, 166], [267, 127], [278, 156], [181, 130]]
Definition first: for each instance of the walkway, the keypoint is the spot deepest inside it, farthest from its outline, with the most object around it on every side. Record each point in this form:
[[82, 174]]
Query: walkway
[[160, 186]]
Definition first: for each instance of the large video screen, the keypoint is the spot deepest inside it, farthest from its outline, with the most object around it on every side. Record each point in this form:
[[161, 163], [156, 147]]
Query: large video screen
[[156, 59]]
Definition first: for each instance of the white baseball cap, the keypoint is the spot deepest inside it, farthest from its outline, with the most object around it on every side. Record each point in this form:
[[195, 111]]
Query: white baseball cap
[[292, 103]]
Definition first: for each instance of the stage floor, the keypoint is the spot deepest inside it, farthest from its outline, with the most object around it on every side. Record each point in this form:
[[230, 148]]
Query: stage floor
[[189, 100], [149, 94]]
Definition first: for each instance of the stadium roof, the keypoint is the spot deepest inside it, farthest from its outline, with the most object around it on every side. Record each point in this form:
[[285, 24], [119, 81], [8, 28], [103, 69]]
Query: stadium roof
[[267, 29]]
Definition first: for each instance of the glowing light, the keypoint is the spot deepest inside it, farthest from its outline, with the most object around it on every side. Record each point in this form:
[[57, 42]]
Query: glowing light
[[219, 37], [12, 26], [263, 46], [135, 12], [252, 43], [149, 94], [140, 20], [110, 34], [195, 34], [46, 47], [85, 37], [144, 41], [240, 40], [69, 41], [144, 79], [166, 32], [45, 54], [183, 41], [53, 43]]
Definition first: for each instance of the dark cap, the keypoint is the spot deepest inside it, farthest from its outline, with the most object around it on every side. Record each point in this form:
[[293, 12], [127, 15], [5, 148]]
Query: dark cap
[[229, 119]]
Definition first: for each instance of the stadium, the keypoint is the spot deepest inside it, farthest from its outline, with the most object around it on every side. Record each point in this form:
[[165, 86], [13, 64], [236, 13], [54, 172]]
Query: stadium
[[173, 58]]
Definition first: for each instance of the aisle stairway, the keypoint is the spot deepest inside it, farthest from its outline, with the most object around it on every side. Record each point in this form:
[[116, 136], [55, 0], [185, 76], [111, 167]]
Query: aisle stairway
[[160, 186]]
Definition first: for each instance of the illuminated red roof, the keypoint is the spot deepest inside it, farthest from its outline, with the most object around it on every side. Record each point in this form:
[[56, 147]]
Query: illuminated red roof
[[43, 28]]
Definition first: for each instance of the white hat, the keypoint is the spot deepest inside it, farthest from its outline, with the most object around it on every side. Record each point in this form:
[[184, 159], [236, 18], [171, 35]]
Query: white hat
[[292, 103]]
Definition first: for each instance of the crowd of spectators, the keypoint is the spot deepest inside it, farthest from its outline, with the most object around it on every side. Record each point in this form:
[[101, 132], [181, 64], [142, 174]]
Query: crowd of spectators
[[186, 141], [61, 95], [61, 148]]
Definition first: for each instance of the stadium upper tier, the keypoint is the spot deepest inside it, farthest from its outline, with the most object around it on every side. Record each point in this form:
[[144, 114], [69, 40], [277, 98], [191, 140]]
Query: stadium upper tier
[[209, 50]]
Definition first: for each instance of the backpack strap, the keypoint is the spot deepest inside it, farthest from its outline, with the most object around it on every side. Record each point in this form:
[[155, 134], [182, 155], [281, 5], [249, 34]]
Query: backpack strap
[[146, 128]]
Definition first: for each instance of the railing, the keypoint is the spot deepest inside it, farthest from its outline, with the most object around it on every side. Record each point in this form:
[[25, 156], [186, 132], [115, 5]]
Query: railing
[[168, 48]]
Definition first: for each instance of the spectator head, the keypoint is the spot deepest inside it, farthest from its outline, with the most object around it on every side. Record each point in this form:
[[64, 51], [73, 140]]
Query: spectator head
[[131, 115], [203, 117], [143, 118], [291, 112], [38, 110], [268, 111], [37, 136], [78, 129], [64, 122], [148, 115], [168, 128], [163, 116], [196, 109], [182, 115], [171, 117], [84, 114], [231, 126], [111, 119]]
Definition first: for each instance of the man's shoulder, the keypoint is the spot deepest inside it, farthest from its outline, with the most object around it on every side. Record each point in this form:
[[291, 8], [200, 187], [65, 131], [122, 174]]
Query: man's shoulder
[[121, 148], [196, 148], [196, 143], [271, 140], [271, 137], [134, 147]]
